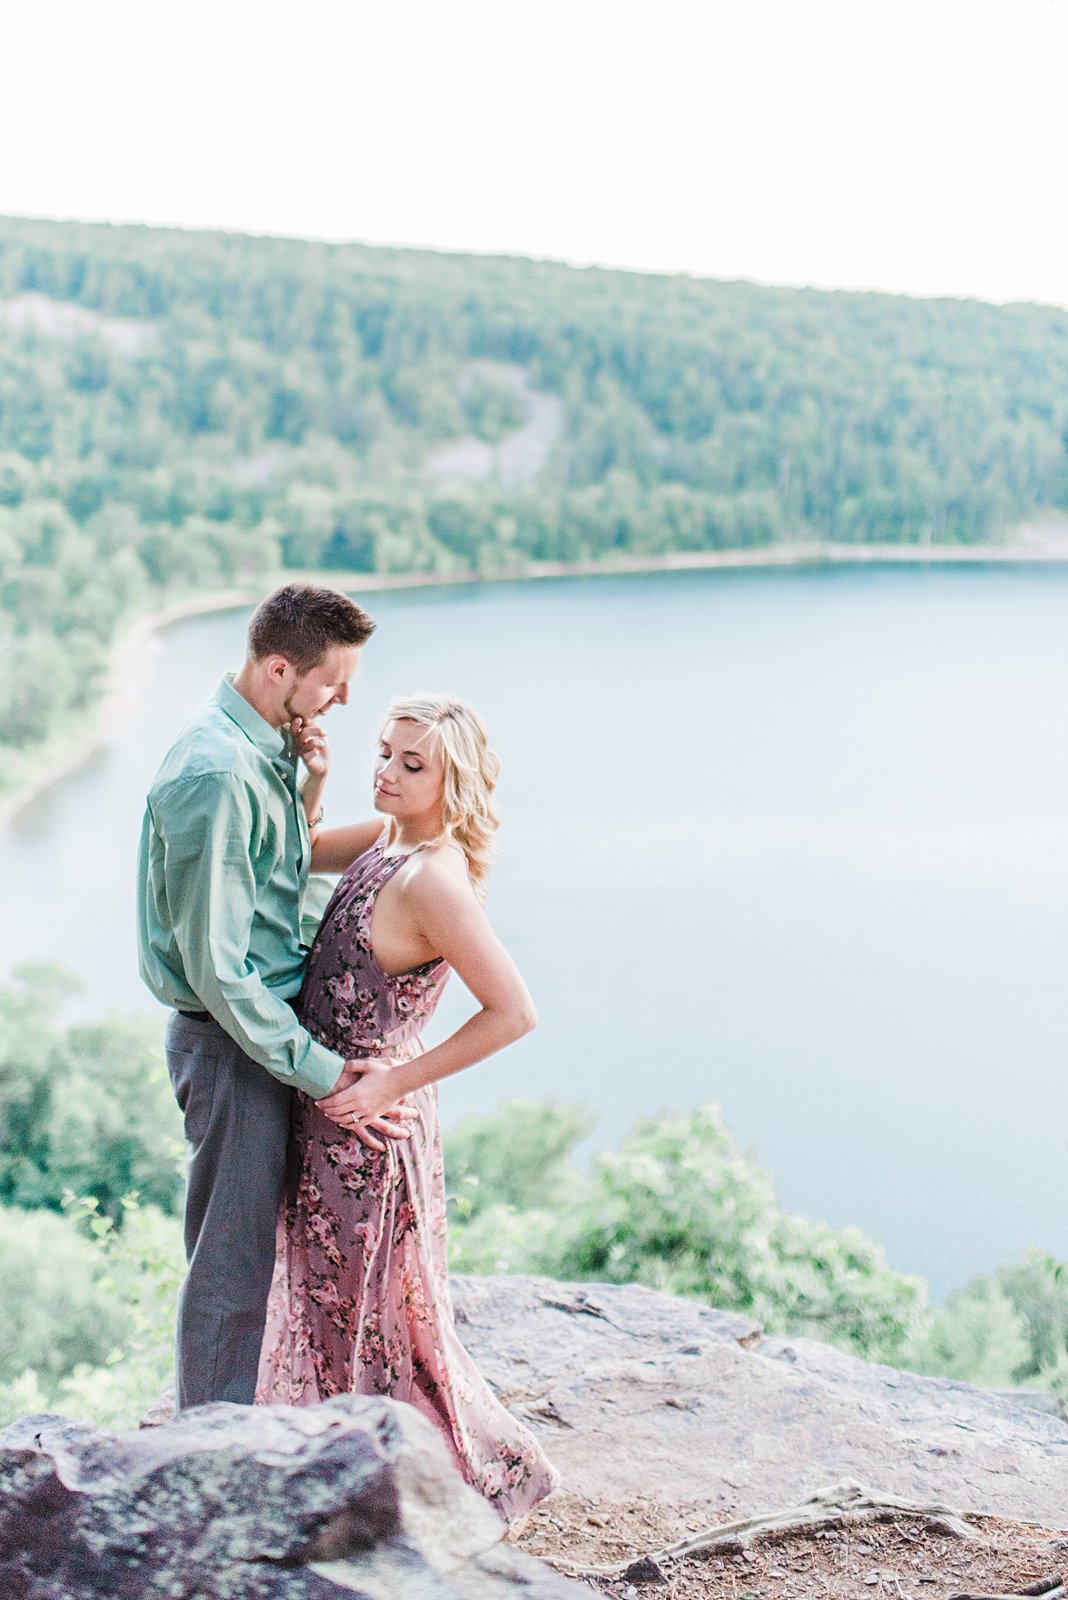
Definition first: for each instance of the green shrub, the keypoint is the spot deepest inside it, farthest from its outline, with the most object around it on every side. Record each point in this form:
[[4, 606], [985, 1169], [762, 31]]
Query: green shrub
[[142, 1264], [514, 1158], [976, 1337], [59, 1310], [89, 1324], [501, 1238], [676, 1207], [1037, 1289], [86, 1108]]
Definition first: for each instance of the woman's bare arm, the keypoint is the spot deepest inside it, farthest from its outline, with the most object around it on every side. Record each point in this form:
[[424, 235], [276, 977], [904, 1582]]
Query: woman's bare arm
[[444, 910], [335, 849]]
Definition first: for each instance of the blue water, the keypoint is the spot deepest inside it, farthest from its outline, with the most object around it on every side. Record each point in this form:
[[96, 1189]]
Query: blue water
[[792, 841]]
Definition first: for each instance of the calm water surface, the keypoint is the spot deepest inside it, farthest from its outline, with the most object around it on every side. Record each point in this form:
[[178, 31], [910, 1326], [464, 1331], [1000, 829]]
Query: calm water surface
[[795, 842]]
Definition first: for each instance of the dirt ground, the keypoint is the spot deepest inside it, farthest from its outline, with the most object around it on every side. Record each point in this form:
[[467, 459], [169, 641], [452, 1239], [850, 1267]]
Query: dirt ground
[[903, 1559]]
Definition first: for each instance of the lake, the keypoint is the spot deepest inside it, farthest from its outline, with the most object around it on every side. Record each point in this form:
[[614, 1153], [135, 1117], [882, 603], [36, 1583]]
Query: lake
[[793, 841]]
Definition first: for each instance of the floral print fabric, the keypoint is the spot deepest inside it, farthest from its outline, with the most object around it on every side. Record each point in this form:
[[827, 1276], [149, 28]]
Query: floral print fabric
[[360, 1303]]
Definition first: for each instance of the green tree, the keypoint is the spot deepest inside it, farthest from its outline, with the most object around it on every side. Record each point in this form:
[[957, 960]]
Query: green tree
[[976, 1337], [58, 1311], [516, 1157], [84, 1108], [1037, 1289], [676, 1207], [491, 406], [91, 1330]]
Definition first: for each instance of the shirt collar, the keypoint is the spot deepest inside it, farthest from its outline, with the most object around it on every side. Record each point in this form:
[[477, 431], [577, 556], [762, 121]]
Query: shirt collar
[[271, 741]]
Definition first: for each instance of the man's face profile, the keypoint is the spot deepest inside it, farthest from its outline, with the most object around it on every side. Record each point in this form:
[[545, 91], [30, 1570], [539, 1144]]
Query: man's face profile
[[325, 685]]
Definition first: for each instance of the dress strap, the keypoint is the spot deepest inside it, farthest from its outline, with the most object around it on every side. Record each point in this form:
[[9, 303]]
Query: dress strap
[[414, 851]]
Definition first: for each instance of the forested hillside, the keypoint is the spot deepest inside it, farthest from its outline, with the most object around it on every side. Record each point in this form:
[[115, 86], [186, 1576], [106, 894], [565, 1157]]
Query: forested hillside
[[179, 410]]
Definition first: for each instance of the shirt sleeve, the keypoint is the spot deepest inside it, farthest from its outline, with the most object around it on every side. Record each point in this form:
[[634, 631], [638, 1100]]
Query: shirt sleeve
[[207, 825]]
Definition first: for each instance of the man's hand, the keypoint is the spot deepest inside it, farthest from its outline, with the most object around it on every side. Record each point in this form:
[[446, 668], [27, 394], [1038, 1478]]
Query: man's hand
[[350, 1111]]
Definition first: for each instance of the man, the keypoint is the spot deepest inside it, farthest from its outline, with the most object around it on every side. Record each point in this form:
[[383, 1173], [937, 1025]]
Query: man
[[222, 869]]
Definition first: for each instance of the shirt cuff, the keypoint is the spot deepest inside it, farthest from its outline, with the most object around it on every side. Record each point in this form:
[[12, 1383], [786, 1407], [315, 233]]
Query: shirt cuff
[[318, 1072]]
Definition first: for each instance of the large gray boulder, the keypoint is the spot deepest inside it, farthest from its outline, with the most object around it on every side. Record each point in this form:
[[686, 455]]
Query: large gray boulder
[[354, 1497], [636, 1393]]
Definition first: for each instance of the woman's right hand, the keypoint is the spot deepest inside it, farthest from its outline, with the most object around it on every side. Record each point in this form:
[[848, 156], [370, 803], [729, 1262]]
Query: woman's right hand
[[311, 745]]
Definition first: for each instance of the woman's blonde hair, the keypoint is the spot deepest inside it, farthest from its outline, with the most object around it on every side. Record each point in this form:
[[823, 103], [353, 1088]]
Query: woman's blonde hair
[[471, 768]]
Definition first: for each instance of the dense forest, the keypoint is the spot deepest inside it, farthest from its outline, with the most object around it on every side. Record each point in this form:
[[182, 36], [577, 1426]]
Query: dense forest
[[183, 410]]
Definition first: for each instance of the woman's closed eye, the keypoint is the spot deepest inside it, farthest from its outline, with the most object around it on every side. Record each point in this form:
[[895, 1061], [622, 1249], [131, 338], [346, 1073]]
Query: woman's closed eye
[[385, 753]]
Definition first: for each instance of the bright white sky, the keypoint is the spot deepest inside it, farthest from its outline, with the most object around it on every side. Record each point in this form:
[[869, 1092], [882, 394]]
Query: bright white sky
[[917, 145]]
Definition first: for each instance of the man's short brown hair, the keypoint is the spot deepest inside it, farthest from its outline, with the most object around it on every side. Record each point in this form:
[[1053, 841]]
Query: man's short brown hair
[[302, 621]]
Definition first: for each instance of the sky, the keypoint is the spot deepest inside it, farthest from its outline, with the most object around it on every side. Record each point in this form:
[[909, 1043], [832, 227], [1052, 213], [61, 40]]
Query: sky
[[912, 145]]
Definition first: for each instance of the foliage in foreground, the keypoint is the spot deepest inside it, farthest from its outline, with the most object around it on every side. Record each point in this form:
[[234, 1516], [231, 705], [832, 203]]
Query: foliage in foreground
[[91, 1317], [92, 1334], [86, 1108], [678, 1208]]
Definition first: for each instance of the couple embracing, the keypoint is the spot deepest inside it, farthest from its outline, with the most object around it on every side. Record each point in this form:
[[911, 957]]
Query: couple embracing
[[315, 1211]]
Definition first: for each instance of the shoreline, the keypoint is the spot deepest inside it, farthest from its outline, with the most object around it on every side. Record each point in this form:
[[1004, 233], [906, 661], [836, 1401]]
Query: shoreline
[[125, 674], [126, 670]]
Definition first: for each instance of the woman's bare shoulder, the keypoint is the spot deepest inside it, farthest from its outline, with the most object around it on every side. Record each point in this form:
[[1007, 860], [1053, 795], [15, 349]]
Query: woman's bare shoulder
[[438, 870]]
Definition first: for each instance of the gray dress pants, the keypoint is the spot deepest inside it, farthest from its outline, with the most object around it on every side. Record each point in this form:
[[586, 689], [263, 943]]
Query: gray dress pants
[[236, 1129]]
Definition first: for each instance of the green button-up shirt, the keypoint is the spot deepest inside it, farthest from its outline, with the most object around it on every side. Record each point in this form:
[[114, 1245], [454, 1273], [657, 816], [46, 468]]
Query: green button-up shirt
[[222, 870]]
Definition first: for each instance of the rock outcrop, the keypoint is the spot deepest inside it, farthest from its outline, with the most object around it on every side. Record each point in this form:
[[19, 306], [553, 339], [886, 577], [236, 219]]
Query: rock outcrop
[[357, 1497], [637, 1394]]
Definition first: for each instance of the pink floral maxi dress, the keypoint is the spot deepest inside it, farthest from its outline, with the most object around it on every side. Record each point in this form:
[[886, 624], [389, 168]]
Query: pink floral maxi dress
[[360, 1303]]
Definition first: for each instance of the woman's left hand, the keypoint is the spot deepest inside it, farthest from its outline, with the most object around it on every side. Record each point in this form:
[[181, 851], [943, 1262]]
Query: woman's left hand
[[370, 1097]]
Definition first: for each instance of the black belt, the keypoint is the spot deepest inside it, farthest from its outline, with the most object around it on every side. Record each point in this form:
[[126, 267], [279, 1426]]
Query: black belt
[[206, 1016]]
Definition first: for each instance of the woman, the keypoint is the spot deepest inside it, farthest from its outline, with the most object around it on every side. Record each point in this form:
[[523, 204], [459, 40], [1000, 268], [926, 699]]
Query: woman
[[360, 1300]]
